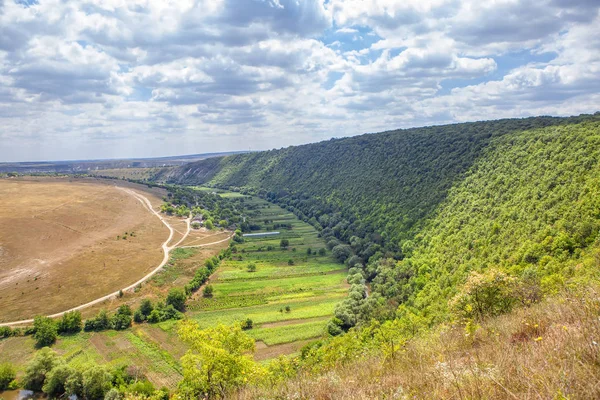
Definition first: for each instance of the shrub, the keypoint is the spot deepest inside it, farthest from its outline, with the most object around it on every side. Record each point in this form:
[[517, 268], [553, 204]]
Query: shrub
[[5, 332], [208, 291], [7, 375], [485, 294], [139, 317], [45, 331], [176, 298], [322, 251], [70, 322], [251, 267], [146, 307], [284, 243], [247, 324]]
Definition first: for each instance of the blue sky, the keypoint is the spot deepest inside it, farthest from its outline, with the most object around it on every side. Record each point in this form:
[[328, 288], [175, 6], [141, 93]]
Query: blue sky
[[135, 78]]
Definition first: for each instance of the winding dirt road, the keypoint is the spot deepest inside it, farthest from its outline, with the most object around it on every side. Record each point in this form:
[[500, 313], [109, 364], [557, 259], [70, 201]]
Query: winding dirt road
[[166, 250]]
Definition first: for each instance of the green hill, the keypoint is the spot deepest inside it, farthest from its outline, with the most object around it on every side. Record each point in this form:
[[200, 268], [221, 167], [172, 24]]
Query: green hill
[[517, 194]]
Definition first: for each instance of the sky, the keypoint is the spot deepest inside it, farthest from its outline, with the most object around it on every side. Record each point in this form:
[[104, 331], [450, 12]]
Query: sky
[[143, 78]]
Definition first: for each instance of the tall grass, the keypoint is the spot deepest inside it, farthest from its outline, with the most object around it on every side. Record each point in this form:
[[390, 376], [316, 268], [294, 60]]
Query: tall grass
[[548, 351]]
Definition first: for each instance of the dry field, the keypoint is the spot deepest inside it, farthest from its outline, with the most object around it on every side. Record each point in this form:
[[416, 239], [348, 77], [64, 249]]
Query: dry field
[[62, 242]]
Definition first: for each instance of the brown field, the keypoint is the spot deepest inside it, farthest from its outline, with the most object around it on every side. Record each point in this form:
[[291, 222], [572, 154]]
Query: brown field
[[59, 246]]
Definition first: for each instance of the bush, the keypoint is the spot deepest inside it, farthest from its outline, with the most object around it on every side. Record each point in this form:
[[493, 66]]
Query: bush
[[176, 298], [247, 324], [251, 267], [208, 291], [322, 251], [146, 307], [485, 294], [7, 375], [70, 323], [45, 331], [5, 332], [139, 317], [284, 243]]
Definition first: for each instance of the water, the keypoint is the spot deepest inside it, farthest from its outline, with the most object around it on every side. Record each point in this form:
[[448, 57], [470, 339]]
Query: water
[[21, 395]]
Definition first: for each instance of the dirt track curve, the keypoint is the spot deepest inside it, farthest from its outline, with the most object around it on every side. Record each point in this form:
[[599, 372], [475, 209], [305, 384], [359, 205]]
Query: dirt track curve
[[166, 250]]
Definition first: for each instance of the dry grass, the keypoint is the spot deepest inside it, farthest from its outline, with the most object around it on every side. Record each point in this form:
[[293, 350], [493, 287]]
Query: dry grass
[[550, 351], [59, 246]]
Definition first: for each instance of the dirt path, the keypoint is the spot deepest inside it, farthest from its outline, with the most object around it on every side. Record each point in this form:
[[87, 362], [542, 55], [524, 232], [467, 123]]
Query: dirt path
[[166, 250]]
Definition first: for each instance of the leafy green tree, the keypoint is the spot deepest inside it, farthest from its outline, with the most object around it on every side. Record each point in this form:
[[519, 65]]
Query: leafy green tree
[[208, 224], [219, 360], [56, 379], [7, 375], [176, 298], [96, 382], [251, 267], [284, 243], [70, 322], [341, 252], [45, 331], [146, 307], [322, 252], [42, 363]]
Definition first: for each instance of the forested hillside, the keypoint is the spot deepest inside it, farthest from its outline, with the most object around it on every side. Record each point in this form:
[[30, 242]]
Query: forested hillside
[[415, 211]]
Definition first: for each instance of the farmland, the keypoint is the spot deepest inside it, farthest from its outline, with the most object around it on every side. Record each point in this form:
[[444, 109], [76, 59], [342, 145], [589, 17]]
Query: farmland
[[296, 290], [289, 297]]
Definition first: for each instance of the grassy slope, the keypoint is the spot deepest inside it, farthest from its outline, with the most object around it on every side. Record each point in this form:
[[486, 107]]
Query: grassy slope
[[549, 351], [530, 205], [391, 181]]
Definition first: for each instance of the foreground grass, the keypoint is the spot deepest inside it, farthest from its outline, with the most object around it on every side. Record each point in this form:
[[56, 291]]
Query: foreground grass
[[549, 351]]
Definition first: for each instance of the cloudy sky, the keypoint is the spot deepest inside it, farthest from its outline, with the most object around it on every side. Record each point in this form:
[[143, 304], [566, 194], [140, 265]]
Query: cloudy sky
[[123, 78]]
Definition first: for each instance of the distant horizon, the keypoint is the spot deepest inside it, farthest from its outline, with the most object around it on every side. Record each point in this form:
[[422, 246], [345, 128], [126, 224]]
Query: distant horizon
[[133, 158], [115, 80]]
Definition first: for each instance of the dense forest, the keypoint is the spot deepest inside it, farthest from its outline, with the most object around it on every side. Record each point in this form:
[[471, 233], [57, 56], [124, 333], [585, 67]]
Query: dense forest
[[416, 210]]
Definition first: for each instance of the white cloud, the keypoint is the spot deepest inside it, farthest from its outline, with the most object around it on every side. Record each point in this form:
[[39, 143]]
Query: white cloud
[[121, 78]]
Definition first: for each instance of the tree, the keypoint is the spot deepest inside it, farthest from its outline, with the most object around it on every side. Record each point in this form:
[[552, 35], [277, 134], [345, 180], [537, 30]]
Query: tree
[[322, 251], [219, 360], [290, 262], [54, 385], [208, 291], [176, 298], [7, 375], [70, 322], [138, 317], [284, 243], [96, 382], [209, 224], [251, 267], [341, 252], [37, 369], [45, 331], [309, 251], [146, 307]]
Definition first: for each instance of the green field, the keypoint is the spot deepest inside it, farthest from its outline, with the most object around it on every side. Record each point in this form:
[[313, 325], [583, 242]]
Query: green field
[[290, 297], [310, 285]]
